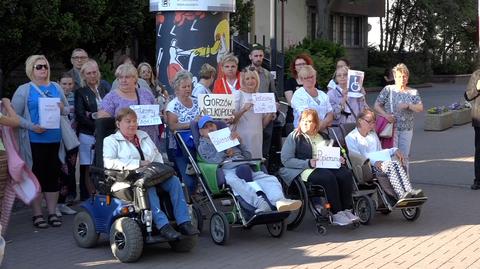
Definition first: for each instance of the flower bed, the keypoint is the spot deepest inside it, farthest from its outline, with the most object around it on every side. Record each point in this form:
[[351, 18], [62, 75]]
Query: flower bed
[[438, 119], [461, 114]]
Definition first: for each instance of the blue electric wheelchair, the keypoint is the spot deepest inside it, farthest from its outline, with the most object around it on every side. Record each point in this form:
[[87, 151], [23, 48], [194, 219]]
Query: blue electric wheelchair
[[218, 200], [123, 214]]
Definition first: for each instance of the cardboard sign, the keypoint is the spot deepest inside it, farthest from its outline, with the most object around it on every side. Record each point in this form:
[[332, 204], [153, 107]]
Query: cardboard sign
[[49, 112], [328, 157], [221, 139], [218, 106], [264, 103], [355, 83], [147, 114]]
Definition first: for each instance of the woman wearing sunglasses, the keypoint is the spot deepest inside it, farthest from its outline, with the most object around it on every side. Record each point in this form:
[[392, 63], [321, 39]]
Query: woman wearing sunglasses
[[39, 146]]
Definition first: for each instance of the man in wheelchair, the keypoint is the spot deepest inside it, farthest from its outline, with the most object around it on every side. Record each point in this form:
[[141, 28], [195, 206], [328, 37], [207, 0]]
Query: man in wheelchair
[[250, 185], [131, 149]]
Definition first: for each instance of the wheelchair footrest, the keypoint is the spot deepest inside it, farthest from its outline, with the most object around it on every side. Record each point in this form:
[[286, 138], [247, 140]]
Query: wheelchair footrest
[[268, 217], [155, 239], [410, 202]]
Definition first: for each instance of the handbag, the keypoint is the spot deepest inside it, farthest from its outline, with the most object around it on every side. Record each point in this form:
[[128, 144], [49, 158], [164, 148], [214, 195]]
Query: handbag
[[387, 131], [150, 175], [69, 136]]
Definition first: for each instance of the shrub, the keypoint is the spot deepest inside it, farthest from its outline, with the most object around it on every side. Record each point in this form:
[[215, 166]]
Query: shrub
[[437, 110], [324, 54]]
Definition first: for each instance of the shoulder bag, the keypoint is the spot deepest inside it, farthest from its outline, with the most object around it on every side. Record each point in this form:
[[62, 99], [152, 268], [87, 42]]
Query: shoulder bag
[[387, 131]]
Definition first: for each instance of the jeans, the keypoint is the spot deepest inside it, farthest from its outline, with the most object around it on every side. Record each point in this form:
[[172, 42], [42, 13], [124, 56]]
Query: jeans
[[181, 165], [180, 209], [403, 140]]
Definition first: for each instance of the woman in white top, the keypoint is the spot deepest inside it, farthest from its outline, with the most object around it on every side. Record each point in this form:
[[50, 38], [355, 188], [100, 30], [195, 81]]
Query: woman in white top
[[207, 76], [310, 97], [364, 141], [247, 123]]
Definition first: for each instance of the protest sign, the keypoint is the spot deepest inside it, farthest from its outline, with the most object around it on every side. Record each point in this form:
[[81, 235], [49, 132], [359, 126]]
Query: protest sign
[[147, 114], [218, 106], [221, 139], [264, 103], [355, 83], [49, 112], [328, 157]]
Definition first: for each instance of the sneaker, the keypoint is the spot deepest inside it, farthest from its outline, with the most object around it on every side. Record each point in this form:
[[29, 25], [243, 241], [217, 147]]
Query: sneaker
[[58, 212], [288, 205], [417, 193], [64, 209], [341, 219], [475, 186], [406, 195], [348, 213], [262, 206]]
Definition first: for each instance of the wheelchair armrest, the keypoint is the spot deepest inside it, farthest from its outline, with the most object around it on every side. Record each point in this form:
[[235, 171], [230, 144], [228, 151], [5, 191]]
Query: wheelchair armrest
[[109, 172], [261, 160]]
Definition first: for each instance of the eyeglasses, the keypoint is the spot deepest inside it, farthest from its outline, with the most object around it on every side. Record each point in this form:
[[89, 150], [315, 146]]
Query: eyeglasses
[[301, 64], [309, 77], [369, 121], [79, 58], [40, 66]]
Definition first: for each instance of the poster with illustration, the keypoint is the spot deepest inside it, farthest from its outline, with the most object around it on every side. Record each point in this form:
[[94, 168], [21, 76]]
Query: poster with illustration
[[355, 83]]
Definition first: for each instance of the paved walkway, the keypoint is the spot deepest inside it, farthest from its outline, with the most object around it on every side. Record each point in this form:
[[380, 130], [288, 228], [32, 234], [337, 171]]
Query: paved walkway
[[447, 234]]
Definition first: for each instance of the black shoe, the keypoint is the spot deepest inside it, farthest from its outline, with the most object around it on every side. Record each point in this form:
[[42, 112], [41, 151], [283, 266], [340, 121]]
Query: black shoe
[[187, 228], [475, 186], [169, 233]]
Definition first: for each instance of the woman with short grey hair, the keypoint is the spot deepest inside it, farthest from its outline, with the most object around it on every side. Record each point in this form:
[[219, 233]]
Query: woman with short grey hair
[[180, 112]]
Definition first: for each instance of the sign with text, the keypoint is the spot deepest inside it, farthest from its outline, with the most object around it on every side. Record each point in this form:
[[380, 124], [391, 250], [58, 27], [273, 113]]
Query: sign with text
[[49, 112], [218, 106], [221, 139], [147, 114], [264, 103], [328, 157], [355, 83], [192, 5]]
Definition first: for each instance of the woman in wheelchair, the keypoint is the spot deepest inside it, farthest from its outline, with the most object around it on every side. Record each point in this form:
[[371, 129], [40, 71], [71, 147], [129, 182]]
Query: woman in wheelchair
[[129, 149], [299, 155], [364, 141], [252, 191]]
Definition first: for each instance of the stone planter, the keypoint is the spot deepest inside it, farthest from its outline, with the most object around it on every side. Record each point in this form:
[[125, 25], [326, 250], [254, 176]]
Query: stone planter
[[438, 122], [462, 116]]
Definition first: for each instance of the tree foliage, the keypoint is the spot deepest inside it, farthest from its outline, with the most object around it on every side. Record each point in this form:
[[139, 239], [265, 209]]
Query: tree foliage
[[240, 20]]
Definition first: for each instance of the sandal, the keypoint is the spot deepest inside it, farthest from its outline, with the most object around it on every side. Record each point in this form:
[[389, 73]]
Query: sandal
[[54, 221], [39, 222]]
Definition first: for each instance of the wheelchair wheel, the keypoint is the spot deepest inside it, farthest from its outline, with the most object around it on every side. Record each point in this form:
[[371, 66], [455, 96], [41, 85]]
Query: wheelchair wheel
[[411, 213], [276, 229], [365, 209], [321, 229], [197, 217], [219, 228], [296, 191], [185, 244], [126, 240], [84, 230]]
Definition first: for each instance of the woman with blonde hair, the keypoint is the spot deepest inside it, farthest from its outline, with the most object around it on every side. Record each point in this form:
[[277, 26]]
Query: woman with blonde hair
[[207, 76], [247, 123], [39, 146], [228, 79]]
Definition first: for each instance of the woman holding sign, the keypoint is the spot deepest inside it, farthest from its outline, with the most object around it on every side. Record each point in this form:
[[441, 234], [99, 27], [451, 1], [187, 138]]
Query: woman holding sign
[[299, 156], [38, 146], [127, 94], [345, 108], [246, 122]]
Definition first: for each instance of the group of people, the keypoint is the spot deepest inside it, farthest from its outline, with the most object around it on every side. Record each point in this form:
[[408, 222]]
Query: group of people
[[84, 97]]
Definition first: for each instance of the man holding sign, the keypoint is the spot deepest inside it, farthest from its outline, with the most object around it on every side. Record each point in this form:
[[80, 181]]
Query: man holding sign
[[250, 189]]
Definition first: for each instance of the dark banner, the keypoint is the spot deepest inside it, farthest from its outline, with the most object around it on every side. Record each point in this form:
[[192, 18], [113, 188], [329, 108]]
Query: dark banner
[[187, 40]]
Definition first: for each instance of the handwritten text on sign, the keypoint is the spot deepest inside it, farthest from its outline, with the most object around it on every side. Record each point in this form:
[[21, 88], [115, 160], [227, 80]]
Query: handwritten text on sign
[[218, 106], [328, 157], [355, 83], [221, 139], [49, 112], [147, 114], [264, 103]]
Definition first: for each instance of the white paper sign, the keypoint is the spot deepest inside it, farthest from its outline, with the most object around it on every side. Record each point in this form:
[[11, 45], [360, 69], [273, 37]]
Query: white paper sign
[[355, 83], [382, 155], [49, 112], [218, 106], [328, 157], [147, 114], [264, 103], [221, 139]]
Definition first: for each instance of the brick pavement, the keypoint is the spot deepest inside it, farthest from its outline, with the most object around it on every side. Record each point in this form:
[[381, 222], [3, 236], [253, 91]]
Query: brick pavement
[[447, 234]]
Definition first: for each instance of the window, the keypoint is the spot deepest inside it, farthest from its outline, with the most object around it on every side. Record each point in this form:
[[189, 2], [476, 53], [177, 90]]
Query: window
[[347, 30]]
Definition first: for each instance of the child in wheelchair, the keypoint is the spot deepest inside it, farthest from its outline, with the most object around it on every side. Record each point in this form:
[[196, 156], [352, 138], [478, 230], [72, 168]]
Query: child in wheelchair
[[130, 149], [251, 186]]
